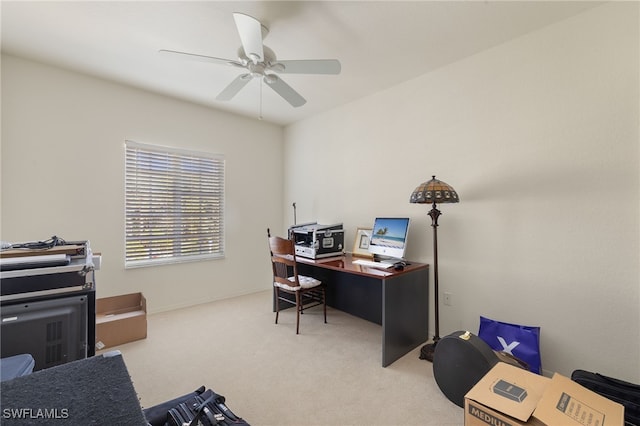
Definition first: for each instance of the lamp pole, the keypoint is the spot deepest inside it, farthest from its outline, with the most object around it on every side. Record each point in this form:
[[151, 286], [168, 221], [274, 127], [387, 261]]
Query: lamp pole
[[435, 213]]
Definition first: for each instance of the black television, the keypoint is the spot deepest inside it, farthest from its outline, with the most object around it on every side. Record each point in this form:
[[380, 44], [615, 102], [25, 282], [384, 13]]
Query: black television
[[53, 331]]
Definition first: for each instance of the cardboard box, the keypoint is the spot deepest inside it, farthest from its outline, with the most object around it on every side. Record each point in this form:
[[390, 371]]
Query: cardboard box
[[506, 395], [510, 396], [120, 319], [567, 402]]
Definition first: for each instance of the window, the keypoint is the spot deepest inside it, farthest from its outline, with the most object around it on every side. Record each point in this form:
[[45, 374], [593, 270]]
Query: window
[[174, 205]]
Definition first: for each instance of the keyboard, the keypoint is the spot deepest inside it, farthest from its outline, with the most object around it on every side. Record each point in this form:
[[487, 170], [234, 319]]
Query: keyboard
[[373, 264]]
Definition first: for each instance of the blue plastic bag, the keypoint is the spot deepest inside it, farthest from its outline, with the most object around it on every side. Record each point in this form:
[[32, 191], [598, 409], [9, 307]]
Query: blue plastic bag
[[523, 342]]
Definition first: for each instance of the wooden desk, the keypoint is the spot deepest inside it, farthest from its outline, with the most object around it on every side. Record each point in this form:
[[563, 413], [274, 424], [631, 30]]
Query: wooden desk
[[397, 300]]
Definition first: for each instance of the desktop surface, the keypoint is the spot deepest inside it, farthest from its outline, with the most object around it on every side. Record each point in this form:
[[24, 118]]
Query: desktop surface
[[346, 263]]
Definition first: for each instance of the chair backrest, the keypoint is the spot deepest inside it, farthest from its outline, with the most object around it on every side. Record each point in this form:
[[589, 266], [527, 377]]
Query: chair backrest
[[283, 261]]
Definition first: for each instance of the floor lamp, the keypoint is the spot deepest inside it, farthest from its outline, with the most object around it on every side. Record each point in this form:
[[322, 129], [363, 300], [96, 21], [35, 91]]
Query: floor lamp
[[436, 192]]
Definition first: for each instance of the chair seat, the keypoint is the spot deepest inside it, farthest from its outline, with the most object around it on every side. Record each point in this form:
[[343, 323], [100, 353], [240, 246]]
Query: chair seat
[[305, 282]]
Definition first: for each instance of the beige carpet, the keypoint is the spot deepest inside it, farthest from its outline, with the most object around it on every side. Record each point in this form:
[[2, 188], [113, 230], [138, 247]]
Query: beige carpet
[[330, 374]]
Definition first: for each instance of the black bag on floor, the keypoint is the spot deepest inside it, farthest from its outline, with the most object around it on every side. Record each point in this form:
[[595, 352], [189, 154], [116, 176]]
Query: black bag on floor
[[207, 408], [201, 407], [627, 394], [157, 415]]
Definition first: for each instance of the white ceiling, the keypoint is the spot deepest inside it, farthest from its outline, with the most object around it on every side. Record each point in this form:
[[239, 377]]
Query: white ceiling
[[379, 43]]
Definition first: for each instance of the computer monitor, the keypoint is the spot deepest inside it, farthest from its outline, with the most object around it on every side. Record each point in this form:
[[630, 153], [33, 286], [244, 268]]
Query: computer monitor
[[389, 237]]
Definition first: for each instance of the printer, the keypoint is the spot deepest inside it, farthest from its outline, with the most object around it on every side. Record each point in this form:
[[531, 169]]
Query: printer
[[316, 241]]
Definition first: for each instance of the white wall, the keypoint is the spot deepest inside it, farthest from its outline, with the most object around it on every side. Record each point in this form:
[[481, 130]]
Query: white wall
[[540, 138], [63, 174]]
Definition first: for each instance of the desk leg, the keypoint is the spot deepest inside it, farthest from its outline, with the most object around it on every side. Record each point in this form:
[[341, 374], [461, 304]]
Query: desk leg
[[405, 314]]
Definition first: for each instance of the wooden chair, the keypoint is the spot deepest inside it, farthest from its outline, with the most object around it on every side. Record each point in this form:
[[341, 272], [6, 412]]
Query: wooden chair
[[308, 291]]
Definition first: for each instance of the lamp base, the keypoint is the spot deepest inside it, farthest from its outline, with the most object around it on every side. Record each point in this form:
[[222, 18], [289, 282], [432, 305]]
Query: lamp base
[[427, 351]]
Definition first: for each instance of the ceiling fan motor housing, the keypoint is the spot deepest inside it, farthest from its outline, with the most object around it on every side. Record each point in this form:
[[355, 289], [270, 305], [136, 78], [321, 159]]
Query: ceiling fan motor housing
[[256, 70]]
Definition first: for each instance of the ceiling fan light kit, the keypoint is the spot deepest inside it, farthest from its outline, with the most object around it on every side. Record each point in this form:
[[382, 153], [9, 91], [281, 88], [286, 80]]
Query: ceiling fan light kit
[[260, 61]]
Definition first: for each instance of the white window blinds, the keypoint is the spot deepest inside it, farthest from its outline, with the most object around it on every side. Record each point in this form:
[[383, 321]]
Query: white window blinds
[[174, 204]]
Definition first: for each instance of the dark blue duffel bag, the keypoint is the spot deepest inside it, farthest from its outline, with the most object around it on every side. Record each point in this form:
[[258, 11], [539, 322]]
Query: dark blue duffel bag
[[625, 393]]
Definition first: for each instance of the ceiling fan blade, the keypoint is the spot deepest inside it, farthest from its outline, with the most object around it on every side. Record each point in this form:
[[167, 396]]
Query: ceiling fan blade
[[309, 66], [284, 90], [234, 87], [202, 58], [250, 31]]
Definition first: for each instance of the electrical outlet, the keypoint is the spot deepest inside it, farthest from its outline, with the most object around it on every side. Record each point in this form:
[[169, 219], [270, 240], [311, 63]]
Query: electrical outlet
[[447, 298]]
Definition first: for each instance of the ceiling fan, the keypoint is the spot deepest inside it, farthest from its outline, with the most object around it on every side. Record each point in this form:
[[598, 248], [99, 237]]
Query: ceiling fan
[[260, 62]]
